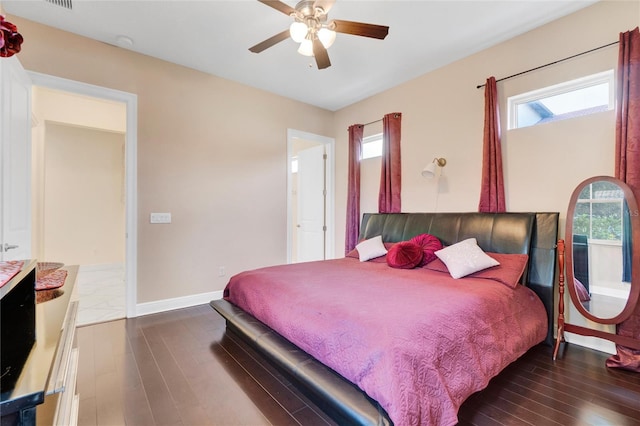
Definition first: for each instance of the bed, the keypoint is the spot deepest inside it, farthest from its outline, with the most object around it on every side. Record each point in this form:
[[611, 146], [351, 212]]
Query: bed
[[370, 344]]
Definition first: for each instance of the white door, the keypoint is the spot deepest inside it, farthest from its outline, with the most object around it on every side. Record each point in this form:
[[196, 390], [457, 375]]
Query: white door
[[15, 116], [311, 204]]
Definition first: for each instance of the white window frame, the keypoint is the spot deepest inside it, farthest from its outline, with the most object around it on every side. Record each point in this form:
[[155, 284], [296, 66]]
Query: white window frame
[[568, 86], [591, 201], [369, 140]]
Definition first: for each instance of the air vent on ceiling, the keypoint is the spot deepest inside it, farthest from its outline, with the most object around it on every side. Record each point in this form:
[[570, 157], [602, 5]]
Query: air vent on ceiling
[[62, 3]]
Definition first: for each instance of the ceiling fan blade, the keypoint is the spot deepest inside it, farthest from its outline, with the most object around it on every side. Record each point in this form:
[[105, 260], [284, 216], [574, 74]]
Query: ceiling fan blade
[[326, 5], [270, 42], [361, 29], [278, 5], [322, 57]]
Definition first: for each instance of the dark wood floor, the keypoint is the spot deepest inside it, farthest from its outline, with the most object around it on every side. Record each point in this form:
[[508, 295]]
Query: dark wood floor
[[182, 368]]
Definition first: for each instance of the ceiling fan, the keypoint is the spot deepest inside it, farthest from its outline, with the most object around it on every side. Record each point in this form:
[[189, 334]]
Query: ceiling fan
[[312, 29]]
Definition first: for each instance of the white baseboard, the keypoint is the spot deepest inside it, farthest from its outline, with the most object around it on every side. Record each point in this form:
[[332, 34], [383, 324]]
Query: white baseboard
[[609, 291], [177, 303], [601, 345], [101, 267]]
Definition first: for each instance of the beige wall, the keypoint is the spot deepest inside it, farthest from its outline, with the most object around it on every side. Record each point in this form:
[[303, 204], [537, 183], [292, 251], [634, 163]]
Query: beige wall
[[443, 117], [84, 220], [210, 151], [53, 106], [78, 110], [195, 143]]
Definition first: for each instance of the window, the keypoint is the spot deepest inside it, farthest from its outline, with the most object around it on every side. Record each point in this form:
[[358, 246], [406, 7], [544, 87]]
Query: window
[[372, 146], [598, 213], [562, 101]]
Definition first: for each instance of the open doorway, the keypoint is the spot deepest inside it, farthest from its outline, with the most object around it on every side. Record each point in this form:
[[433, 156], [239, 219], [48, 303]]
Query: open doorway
[[310, 197], [84, 188]]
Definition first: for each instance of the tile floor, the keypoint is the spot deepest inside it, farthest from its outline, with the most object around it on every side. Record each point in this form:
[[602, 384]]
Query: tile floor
[[101, 291]]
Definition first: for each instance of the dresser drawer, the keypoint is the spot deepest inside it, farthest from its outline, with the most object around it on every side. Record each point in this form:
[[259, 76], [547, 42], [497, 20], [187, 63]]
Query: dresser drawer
[[59, 407], [65, 415]]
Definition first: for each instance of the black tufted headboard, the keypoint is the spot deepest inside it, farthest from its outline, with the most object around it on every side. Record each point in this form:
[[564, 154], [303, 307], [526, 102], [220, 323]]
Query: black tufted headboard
[[534, 234]]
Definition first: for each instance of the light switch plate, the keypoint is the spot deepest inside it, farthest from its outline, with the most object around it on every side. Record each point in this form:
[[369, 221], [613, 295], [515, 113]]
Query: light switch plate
[[160, 218]]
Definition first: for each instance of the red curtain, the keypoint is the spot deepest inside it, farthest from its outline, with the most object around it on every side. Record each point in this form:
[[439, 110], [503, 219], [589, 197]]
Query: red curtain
[[492, 190], [628, 166], [390, 175], [353, 188]]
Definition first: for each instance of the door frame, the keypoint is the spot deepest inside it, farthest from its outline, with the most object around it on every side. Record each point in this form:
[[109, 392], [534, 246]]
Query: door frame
[[330, 182], [131, 168]]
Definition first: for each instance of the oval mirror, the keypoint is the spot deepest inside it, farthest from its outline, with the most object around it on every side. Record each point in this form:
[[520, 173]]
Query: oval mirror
[[603, 225]]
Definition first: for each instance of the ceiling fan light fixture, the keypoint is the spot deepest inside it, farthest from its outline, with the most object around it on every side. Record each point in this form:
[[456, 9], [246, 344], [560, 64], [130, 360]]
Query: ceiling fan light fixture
[[313, 29], [306, 47], [327, 37], [298, 31]]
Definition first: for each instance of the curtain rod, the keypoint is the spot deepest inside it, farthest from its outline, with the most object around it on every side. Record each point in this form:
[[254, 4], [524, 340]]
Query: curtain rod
[[552, 63], [366, 124], [377, 121]]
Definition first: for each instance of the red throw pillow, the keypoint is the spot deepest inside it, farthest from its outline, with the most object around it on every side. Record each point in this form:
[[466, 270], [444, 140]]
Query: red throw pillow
[[429, 244], [581, 291], [508, 272], [404, 255]]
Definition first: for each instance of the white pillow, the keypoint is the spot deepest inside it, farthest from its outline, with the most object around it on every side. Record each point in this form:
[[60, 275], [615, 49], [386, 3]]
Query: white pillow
[[465, 258], [371, 248]]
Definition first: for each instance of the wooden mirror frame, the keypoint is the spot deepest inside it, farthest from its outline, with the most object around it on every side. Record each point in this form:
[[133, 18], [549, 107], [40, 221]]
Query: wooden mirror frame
[[634, 292]]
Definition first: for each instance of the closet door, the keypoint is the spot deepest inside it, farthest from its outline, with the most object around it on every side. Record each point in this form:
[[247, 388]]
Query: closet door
[[311, 204]]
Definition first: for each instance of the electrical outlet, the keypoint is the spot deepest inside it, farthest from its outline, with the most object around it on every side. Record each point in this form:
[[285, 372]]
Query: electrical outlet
[[160, 218], [221, 271]]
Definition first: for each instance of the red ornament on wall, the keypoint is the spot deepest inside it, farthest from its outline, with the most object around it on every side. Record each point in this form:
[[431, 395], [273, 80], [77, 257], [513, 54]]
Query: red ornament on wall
[[10, 38]]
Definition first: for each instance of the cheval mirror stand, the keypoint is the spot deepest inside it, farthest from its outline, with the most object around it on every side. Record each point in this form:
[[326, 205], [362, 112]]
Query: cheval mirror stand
[[602, 261]]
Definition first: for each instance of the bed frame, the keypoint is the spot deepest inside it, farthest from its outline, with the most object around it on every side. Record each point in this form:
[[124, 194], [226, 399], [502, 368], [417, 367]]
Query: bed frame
[[534, 234]]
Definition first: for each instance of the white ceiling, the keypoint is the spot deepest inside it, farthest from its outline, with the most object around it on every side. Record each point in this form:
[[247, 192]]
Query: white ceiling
[[214, 36]]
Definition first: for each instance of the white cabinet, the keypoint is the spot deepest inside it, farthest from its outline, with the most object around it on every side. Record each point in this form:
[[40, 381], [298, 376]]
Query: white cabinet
[[60, 406]]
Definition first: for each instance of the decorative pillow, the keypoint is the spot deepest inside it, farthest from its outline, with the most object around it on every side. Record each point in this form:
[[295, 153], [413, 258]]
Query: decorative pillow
[[581, 291], [429, 244], [354, 253], [405, 255], [465, 258], [508, 272], [371, 248]]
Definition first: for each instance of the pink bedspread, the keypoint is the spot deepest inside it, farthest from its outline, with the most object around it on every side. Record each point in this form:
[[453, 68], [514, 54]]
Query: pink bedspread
[[417, 341]]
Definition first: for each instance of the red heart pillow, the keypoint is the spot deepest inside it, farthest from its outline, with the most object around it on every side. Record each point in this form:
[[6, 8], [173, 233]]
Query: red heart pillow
[[404, 255], [429, 244]]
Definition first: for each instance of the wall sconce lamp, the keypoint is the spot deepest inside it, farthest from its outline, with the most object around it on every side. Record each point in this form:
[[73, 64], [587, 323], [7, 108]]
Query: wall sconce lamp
[[430, 170]]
